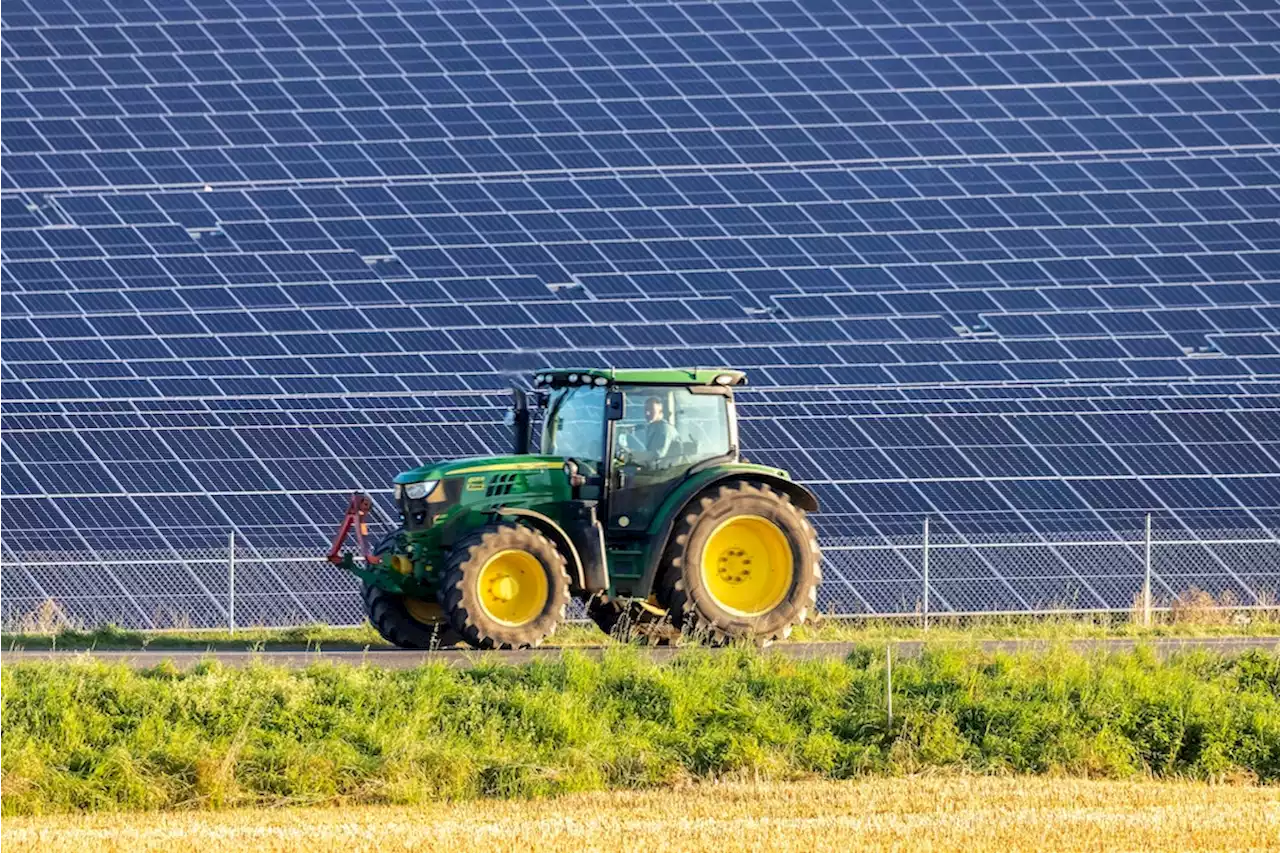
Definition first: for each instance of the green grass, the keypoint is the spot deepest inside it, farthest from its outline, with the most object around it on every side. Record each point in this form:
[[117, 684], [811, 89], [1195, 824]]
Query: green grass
[[90, 735], [111, 637], [1205, 621]]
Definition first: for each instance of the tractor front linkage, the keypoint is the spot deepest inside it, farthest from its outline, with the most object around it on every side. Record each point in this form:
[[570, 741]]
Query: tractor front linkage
[[357, 509]]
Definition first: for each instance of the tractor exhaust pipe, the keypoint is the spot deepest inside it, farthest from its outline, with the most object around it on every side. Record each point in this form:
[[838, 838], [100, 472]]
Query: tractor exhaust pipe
[[519, 421]]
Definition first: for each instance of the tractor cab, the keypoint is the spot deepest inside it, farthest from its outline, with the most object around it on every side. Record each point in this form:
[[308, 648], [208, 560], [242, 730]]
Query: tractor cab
[[635, 435], [633, 469]]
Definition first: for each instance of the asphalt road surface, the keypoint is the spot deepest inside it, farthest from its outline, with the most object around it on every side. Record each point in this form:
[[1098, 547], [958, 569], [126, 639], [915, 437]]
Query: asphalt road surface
[[398, 659]]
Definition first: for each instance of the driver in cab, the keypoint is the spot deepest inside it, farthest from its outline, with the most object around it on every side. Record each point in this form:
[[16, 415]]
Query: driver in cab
[[653, 439]]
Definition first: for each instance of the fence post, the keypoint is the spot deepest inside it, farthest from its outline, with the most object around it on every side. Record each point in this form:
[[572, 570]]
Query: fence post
[[1146, 574], [231, 582], [925, 568]]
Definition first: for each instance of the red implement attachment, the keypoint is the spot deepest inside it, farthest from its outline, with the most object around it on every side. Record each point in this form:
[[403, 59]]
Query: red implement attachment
[[359, 507]]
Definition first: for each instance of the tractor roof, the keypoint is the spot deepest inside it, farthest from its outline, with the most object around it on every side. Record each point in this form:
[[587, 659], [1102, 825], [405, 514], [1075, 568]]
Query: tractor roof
[[656, 376]]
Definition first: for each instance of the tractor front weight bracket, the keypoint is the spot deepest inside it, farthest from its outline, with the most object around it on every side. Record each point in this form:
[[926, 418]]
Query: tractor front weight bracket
[[357, 510]]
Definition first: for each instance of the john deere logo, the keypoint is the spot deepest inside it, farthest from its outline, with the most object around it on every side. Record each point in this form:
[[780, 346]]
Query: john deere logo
[[475, 484]]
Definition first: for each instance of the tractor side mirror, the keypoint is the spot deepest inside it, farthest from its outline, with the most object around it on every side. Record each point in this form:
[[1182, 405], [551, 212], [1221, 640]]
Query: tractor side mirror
[[519, 422], [614, 406]]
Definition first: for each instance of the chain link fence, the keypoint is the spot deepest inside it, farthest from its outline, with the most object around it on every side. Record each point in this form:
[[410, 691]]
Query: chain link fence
[[896, 566], [959, 575]]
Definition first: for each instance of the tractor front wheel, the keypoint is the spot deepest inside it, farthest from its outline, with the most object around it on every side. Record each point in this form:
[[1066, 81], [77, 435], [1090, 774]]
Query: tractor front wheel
[[401, 620], [743, 562], [505, 586]]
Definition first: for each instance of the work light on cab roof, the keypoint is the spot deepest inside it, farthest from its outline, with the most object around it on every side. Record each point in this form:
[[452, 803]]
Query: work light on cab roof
[[637, 502], [660, 376]]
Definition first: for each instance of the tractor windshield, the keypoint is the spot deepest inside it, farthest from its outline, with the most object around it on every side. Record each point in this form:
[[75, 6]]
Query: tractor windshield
[[575, 424]]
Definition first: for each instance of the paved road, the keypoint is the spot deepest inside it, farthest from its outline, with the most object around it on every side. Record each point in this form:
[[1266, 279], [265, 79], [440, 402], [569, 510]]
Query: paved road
[[396, 659]]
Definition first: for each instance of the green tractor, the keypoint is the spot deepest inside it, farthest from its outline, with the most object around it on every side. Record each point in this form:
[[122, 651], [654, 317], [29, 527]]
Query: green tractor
[[639, 504]]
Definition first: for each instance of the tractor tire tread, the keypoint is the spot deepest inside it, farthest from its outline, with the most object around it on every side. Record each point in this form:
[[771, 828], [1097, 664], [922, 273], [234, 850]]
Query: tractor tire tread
[[465, 614], [388, 615], [695, 615]]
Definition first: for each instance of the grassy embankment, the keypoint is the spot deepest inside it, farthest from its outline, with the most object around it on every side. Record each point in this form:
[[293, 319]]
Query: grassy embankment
[[88, 735], [977, 814]]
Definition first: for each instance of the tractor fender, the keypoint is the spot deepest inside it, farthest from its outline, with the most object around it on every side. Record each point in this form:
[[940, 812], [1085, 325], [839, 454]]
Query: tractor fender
[[676, 503], [548, 527]]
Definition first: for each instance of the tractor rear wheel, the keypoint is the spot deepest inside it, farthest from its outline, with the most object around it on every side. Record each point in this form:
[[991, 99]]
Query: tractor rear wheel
[[404, 621], [505, 586], [632, 621], [742, 563]]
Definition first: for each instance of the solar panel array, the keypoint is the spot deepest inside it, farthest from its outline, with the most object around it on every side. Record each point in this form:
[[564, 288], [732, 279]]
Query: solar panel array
[[1013, 265]]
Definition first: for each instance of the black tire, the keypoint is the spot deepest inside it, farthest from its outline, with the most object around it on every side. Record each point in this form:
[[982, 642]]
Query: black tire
[[632, 622], [461, 597], [683, 589], [391, 616]]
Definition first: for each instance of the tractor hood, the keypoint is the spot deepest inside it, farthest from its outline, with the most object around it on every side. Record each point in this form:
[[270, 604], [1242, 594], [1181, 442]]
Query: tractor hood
[[479, 465]]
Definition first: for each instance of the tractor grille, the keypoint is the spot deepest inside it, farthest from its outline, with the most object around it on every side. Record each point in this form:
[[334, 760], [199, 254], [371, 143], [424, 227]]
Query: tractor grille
[[501, 485]]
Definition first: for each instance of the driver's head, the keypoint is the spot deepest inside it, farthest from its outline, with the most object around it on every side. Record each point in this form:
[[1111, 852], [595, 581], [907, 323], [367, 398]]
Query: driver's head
[[653, 410]]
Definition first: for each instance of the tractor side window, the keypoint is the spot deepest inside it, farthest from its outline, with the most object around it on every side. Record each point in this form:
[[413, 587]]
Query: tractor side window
[[574, 426], [671, 427], [702, 422]]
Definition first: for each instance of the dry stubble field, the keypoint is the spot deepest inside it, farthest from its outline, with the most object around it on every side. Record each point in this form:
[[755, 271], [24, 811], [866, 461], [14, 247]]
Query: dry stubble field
[[913, 813]]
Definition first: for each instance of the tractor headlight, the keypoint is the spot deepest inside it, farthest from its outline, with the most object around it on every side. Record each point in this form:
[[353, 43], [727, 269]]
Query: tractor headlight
[[418, 491]]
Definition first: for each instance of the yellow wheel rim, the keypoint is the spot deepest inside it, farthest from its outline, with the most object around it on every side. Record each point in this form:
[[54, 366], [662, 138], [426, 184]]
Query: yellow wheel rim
[[747, 565], [513, 587], [426, 612]]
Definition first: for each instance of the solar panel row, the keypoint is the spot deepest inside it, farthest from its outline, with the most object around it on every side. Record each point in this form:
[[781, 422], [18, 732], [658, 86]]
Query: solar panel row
[[1009, 265]]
